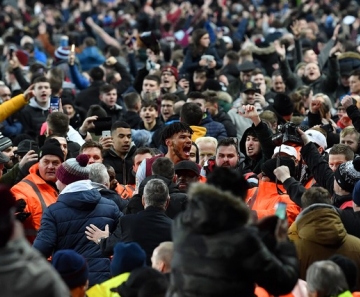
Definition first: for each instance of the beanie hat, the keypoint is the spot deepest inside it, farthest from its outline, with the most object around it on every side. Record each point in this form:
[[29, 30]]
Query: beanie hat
[[347, 174], [73, 170], [172, 70], [67, 101], [270, 165], [348, 267], [283, 104], [127, 257], [51, 147], [72, 268], [62, 53], [5, 143], [23, 57]]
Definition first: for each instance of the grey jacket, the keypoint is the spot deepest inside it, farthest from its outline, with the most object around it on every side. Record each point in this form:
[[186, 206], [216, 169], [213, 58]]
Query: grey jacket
[[24, 272]]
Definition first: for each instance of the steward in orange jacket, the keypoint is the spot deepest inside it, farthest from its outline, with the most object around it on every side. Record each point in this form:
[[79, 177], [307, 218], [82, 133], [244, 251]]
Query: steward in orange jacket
[[38, 188], [264, 198]]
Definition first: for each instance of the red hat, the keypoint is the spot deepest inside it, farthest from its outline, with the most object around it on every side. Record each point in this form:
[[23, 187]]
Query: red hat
[[23, 57], [171, 69]]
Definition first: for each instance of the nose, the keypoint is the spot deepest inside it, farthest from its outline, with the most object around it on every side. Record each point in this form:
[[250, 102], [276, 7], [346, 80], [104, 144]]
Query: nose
[[91, 160]]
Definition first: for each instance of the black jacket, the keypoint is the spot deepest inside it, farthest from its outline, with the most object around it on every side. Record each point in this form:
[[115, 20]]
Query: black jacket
[[89, 96], [178, 200], [114, 196], [123, 167], [132, 118], [223, 118], [32, 118], [148, 228], [116, 113], [217, 254]]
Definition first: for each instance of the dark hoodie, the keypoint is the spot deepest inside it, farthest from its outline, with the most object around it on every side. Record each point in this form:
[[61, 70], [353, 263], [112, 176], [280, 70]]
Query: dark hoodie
[[264, 135], [178, 200]]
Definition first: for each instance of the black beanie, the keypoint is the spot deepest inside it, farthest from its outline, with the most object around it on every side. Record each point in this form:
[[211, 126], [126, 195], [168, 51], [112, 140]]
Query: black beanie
[[283, 104], [348, 174], [348, 267], [51, 147], [270, 165]]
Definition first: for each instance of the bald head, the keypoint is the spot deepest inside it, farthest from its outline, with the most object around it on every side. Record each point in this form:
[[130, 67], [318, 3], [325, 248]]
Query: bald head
[[162, 256]]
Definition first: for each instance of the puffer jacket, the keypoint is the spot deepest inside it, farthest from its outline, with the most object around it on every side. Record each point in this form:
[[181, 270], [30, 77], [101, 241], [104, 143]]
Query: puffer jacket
[[213, 129], [217, 254], [63, 226]]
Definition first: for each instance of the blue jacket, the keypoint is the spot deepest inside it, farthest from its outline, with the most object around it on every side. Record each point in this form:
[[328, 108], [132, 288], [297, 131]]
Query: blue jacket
[[214, 129], [63, 226], [90, 57]]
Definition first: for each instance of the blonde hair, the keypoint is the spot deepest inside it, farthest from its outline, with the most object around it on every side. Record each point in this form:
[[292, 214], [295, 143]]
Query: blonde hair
[[350, 130], [207, 139]]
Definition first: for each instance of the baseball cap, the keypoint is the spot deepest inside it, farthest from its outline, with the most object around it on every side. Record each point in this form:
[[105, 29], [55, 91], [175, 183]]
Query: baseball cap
[[250, 86], [188, 165], [286, 149], [317, 137], [24, 146]]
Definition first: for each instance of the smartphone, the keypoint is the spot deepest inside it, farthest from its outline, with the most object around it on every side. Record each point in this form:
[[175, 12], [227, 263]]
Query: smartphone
[[102, 124], [73, 48], [106, 133], [54, 104], [281, 210], [34, 147]]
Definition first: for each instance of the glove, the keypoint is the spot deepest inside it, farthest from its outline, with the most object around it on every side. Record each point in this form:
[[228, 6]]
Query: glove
[[20, 214]]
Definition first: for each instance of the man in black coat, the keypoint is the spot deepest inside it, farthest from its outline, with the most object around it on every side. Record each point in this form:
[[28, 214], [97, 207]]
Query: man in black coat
[[162, 169], [90, 96], [148, 228]]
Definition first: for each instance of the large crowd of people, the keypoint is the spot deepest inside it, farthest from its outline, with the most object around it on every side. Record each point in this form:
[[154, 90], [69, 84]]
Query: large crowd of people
[[180, 148]]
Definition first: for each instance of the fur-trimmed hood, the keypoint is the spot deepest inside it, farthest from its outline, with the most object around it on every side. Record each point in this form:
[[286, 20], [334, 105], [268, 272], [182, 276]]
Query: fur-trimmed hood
[[211, 210], [262, 50], [349, 55]]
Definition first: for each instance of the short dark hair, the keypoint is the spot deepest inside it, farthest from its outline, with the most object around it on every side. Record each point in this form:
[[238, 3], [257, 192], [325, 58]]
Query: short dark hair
[[164, 167], [232, 56], [90, 144], [58, 123], [119, 124], [315, 195], [131, 99], [276, 73], [355, 72], [174, 128], [228, 179], [227, 142], [169, 97], [41, 79], [96, 73], [191, 114], [211, 96], [196, 95], [342, 149], [200, 70], [142, 151], [96, 110], [106, 88], [113, 51], [149, 103], [153, 77], [56, 80]]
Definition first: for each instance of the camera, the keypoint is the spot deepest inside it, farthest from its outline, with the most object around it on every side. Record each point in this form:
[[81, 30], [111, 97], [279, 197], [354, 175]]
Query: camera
[[288, 134]]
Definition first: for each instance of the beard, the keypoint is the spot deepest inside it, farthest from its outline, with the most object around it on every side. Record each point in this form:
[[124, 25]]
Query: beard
[[177, 152]]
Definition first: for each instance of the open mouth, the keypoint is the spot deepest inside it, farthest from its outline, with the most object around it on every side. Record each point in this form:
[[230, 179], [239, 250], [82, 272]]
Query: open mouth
[[250, 149], [187, 150], [126, 147]]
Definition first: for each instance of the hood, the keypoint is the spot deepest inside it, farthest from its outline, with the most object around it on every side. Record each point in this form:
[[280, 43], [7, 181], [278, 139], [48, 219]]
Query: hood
[[81, 195], [130, 153], [172, 186], [98, 186], [242, 145], [211, 210], [33, 103], [321, 224], [198, 132]]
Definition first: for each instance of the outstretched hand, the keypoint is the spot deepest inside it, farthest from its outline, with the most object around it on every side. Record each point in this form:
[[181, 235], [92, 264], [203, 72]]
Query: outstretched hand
[[250, 112], [93, 233]]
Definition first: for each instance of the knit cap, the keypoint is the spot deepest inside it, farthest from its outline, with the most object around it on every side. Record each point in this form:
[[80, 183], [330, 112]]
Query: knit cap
[[348, 267], [62, 53], [72, 268], [73, 170], [51, 147], [127, 257], [283, 104], [5, 142], [270, 165], [347, 174]]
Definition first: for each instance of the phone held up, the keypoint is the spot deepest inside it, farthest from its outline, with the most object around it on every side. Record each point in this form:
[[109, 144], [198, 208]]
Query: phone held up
[[281, 210], [55, 104]]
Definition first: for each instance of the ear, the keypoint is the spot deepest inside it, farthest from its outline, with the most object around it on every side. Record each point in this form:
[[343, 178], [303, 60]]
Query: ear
[[167, 202], [143, 201], [168, 141]]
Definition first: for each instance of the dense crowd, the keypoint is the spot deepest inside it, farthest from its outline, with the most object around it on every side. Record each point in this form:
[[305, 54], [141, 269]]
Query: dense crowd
[[170, 148]]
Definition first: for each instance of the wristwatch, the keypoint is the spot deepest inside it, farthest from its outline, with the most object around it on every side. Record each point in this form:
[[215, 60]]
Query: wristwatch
[[99, 240]]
